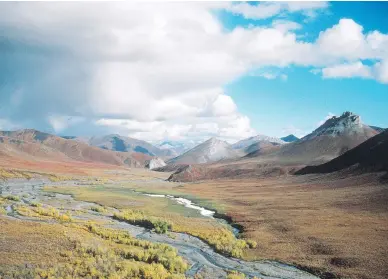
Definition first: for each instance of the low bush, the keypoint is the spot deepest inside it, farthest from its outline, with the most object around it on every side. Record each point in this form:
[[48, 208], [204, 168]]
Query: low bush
[[142, 250], [36, 211], [12, 198], [35, 204], [137, 217], [251, 243], [98, 209], [235, 275]]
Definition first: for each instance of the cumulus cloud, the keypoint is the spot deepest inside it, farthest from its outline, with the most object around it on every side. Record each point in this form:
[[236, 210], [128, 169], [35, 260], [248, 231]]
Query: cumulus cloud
[[378, 71], [155, 70], [264, 10], [61, 122], [347, 70]]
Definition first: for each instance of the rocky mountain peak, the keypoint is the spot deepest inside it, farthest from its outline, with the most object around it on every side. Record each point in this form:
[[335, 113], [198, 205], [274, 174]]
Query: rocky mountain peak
[[348, 122]]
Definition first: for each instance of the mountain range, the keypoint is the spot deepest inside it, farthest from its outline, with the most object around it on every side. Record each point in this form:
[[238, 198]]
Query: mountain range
[[119, 143], [334, 138], [33, 145]]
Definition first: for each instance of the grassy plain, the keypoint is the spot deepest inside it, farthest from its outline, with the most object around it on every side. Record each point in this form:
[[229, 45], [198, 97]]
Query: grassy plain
[[147, 209], [337, 226]]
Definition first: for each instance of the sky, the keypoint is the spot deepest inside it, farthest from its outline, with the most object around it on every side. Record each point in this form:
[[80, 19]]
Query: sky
[[191, 70]]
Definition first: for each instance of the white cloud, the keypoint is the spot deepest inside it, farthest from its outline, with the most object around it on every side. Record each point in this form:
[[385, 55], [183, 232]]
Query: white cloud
[[285, 25], [264, 10], [347, 70], [159, 69], [61, 122], [380, 71], [347, 41], [227, 127]]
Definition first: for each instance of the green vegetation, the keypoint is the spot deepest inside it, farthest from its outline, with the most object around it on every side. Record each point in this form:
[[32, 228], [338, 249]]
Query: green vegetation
[[98, 209], [161, 215], [84, 251], [137, 217], [142, 250], [235, 275], [251, 243], [45, 212], [12, 198], [58, 178], [220, 239], [35, 204], [9, 174]]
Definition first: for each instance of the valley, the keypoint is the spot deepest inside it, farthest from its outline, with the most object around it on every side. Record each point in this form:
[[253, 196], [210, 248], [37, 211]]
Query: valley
[[27, 201], [314, 207]]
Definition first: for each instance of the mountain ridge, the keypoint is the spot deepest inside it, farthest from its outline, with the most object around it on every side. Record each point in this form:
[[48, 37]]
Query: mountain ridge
[[37, 145], [211, 150]]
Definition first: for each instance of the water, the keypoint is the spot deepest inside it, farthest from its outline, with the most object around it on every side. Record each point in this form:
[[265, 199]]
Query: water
[[186, 203]]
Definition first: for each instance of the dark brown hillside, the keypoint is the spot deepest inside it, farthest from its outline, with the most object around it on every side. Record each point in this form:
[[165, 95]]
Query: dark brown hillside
[[371, 155]]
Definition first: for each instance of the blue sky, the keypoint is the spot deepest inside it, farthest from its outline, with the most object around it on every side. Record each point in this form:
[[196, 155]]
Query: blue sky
[[189, 71], [304, 99]]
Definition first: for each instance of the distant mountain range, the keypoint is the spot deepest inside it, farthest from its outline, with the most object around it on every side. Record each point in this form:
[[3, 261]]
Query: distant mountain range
[[178, 147], [242, 144], [32, 145], [119, 143], [211, 150], [290, 138], [332, 139]]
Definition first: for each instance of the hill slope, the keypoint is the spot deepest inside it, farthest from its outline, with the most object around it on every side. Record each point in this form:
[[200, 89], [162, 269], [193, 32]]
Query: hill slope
[[336, 136], [36, 145], [211, 150], [126, 144], [242, 144], [371, 155]]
